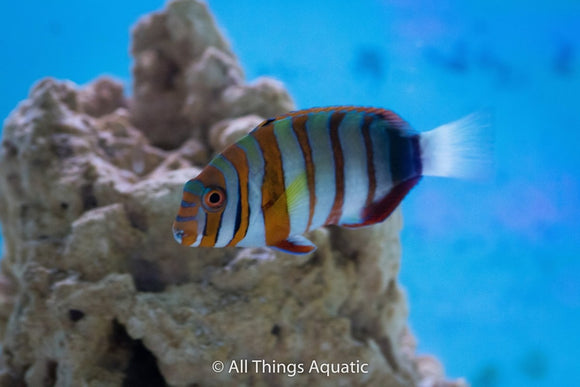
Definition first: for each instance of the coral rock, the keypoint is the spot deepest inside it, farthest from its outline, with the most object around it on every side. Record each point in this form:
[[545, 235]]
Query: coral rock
[[187, 77], [228, 131], [102, 97]]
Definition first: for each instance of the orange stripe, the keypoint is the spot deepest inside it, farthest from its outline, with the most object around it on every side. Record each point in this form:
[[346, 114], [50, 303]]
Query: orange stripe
[[189, 197], [237, 157], [211, 176], [299, 126], [274, 206], [187, 212], [336, 211], [212, 225]]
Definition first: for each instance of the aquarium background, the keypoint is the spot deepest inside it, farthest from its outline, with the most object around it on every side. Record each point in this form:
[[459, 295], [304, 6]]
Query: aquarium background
[[491, 269]]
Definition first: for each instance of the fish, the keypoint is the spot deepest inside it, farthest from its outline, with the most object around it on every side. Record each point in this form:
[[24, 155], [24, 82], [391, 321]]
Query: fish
[[343, 165]]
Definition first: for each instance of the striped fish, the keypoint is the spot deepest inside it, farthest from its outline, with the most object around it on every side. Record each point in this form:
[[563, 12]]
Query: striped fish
[[349, 166]]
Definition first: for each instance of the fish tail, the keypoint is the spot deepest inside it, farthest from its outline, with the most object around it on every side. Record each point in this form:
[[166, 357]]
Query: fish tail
[[463, 148]]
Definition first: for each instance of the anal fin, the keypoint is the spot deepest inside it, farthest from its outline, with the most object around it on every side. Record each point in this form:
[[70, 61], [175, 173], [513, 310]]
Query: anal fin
[[379, 211], [295, 244]]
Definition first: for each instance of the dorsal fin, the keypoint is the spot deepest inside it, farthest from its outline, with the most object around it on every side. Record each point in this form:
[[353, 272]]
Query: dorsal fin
[[266, 122], [394, 120]]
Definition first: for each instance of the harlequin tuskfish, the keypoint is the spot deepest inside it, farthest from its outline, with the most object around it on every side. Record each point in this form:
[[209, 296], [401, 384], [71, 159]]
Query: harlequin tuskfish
[[349, 166]]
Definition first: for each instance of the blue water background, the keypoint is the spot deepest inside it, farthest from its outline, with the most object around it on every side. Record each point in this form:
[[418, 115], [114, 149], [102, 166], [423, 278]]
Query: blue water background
[[492, 270]]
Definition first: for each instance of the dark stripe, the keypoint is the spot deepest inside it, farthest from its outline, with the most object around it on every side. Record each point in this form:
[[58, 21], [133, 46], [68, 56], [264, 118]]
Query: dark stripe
[[217, 233], [211, 236], [205, 231], [370, 159], [249, 207], [244, 181], [336, 211], [239, 202], [213, 220], [299, 127], [238, 159], [416, 147], [185, 218], [405, 155], [268, 121], [239, 211]]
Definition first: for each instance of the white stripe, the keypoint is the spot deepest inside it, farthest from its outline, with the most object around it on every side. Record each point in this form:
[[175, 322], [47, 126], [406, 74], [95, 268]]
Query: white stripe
[[201, 219], [256, 235], [356, 177], [323, 161], [226, 230], [293, 166], [380, 140]]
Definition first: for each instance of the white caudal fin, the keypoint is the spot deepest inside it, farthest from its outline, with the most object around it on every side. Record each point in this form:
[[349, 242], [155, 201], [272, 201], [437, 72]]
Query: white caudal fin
[[463, 148]]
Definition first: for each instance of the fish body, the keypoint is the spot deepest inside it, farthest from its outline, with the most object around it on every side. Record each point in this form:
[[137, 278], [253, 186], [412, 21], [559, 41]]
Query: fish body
[[348, 166]]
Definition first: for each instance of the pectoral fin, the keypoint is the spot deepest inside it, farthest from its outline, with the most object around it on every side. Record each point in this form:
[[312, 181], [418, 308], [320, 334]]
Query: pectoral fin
[[295, 244], [297, 197]]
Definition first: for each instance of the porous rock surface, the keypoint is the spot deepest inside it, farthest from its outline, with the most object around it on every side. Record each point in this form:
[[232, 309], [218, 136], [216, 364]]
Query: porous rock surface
[[94, 291]]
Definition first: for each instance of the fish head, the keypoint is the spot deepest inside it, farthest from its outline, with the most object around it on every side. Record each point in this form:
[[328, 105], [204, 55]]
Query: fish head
[[202, 205]]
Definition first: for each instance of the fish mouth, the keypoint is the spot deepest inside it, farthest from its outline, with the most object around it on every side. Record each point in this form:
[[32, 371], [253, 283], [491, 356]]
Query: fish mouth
[[184, 237], [178, 234]]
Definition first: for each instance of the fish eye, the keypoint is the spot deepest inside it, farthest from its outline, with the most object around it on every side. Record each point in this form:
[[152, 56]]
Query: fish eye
[[214, 198]]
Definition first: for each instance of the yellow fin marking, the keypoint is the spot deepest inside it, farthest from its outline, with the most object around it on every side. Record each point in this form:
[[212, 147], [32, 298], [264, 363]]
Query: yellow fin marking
[[297, 196]]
